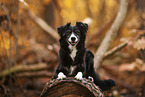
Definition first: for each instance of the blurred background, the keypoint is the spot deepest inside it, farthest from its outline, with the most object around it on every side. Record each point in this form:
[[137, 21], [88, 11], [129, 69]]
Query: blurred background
[[28, 52]]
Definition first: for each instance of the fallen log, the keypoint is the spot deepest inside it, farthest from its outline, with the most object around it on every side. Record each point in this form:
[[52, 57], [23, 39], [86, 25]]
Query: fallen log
[[71, 87], [24, 68]]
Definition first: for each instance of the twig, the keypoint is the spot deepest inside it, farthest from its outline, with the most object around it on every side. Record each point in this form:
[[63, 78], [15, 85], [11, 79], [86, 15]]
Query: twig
[[114, 50], [99, 55], [8, 17], [24, 68], [16, 50], [16, 36], [10, 32]]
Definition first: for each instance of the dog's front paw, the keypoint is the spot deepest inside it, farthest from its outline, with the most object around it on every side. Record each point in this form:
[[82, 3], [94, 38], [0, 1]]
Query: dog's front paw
[[61, 76], [79, 76]]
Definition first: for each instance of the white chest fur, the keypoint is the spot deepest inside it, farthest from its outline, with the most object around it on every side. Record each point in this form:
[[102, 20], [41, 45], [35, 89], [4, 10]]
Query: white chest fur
[[73, 51]]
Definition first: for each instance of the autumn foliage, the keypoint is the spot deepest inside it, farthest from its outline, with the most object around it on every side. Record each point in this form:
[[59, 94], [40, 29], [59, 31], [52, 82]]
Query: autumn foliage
[[29, 48]]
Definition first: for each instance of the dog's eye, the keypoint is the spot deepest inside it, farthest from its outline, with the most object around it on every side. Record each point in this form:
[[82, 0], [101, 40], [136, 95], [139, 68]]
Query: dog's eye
[[77, 32], [68, 32]]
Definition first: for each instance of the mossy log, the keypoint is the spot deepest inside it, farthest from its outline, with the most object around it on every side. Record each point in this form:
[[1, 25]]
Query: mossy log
[[71, 87]]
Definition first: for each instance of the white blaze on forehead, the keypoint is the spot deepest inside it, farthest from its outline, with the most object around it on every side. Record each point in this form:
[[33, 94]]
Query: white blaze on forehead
[[73, 35]]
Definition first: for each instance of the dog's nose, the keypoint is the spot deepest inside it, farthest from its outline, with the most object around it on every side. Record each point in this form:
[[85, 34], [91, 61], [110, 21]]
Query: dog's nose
[[73, 38]]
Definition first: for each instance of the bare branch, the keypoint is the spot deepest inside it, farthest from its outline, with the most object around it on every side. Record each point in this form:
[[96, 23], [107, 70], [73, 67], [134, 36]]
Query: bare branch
[[114, 50], [99, 55], [44, 25], [16, 36], [24, 68], [35, 74]]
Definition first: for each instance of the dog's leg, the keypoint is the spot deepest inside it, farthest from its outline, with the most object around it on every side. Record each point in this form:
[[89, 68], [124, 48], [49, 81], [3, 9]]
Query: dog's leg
[[79, 71], [61, 72], [62, 69]]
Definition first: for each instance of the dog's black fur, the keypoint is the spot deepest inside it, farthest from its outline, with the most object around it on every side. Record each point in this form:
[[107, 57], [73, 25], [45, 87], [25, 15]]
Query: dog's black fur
[[83, 61]]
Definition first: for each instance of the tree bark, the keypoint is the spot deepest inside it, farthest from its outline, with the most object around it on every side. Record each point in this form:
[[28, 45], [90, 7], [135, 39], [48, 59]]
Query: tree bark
[[71, 87]]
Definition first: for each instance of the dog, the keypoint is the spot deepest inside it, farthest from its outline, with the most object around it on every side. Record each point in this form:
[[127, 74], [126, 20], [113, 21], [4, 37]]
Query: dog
[[74, 59]]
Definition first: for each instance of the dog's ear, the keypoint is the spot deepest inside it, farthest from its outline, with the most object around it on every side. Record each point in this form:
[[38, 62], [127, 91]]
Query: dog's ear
[[61, 29], [83, 26]]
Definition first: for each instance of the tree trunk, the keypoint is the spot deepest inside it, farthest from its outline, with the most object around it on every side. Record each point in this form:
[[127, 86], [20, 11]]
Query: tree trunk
[[71, 87]]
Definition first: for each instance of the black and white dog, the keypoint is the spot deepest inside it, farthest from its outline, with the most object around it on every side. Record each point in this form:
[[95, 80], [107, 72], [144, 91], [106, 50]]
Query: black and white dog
[[74, 59]]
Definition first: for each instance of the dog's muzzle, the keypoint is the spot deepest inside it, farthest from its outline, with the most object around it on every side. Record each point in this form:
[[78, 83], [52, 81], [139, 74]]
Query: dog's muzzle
[[73, 39]]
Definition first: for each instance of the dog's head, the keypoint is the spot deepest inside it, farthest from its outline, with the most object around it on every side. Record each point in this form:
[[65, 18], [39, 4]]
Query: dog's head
[[73, 34]]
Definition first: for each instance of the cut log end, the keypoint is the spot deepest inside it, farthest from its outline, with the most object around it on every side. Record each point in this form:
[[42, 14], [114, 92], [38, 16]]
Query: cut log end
[[71, 87]]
